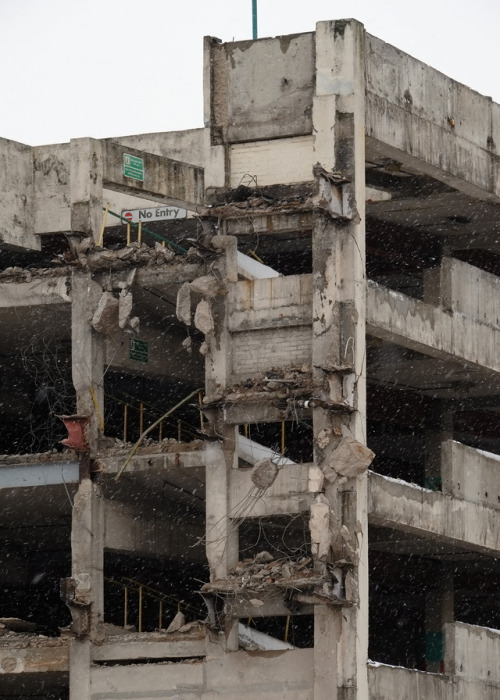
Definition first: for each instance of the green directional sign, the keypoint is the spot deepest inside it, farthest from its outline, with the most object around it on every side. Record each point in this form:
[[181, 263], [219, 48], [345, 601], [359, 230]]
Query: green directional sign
[[138, 350], [133, 167]]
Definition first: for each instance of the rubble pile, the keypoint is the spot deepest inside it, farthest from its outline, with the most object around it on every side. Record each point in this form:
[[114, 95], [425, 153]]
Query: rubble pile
[[285, 383], [265, 574]]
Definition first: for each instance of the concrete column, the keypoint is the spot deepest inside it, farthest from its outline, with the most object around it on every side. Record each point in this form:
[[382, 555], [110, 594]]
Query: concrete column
[[87, 347], [339, 341], [87, 545], [222, 545], [79, 669], [86, 176]]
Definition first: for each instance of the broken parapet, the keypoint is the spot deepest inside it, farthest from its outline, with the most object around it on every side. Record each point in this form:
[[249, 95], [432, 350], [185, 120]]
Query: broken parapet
[[263, 578]]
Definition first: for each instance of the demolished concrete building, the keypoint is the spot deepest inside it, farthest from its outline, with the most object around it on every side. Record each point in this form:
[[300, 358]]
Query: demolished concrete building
[[191, 407]]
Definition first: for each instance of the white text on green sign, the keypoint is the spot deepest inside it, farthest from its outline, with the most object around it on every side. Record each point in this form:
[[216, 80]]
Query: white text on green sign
[[138, 350], [133, 167]]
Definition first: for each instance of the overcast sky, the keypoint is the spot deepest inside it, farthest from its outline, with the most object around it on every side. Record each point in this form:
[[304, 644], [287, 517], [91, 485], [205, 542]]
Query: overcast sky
[[113, 67]]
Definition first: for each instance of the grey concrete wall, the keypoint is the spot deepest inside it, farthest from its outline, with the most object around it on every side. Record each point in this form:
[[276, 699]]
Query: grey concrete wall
[[270, 303], [16, 203], [396, 683], [186, 146], [473, 652], [243, 675], [251, 102], [459, 287], [470, 474], [421, 112]]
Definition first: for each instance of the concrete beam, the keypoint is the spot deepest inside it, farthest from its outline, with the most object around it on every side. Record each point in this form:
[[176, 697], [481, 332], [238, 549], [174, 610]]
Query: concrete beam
[[446, 129], [171, 181], [148, 646], [165, 461], [38, 655], [27, 476], [36, 293], [428, 329], [431, 515]]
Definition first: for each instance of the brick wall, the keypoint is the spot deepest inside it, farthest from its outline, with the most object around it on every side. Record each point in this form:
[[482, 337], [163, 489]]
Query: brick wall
[[255, 352]]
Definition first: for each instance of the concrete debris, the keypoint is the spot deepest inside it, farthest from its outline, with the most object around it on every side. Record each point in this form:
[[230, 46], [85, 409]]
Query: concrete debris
[[16, 624], [264, 473], [177, 623], [319, 526], [207, 286], [257, 602], [183, 304], [272, 577], [263, 557], [134, 323], [292, 382], [203, 348], [203, 319], [323, 438], [124, 307], [316, 479], [105, 319], [187, 344], [350, 458]]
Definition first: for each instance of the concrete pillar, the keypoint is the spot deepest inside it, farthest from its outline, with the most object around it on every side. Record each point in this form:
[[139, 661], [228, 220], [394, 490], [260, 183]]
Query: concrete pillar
[[86, 181], [222, 544], [87, 546], [79, 669], [339, 340], [87, 348]]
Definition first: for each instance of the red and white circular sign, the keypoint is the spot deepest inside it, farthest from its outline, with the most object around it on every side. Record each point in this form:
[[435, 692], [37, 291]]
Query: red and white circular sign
[[128, 215]]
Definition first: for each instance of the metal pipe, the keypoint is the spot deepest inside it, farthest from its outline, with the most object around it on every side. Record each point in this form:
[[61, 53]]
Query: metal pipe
[[125, 605], [254, 19], [287, 627], [99, 244], [152, 427], [139, 232], [139, 625]]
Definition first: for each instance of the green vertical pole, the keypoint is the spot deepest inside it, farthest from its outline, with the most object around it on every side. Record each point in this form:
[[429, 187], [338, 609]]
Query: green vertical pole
[[254, 19]]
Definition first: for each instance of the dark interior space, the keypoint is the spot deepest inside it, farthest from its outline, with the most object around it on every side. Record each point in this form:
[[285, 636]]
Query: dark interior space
[[164, 585], [293, 439], [131, 401], [397, 421]]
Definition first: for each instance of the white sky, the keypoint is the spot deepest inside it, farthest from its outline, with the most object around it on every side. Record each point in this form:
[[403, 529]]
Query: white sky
[[105, 68]]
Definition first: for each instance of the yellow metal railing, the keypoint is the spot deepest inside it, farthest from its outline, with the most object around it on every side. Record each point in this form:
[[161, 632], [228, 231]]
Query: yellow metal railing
[[143, 592]]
